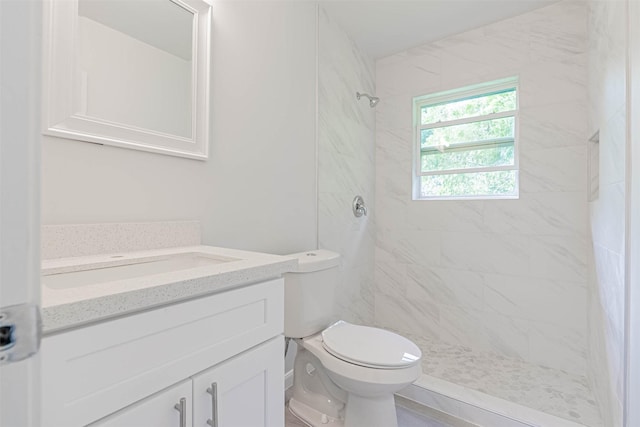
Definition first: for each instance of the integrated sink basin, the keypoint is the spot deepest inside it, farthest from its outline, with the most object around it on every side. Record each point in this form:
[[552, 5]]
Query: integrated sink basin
[[118, 268]]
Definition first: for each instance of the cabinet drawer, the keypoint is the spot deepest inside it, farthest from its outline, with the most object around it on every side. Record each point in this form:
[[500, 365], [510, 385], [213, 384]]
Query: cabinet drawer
[[94, 371]]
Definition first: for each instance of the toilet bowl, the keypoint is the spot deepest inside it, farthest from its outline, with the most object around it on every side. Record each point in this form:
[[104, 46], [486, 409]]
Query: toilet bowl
[[335, 384], [344, 375]]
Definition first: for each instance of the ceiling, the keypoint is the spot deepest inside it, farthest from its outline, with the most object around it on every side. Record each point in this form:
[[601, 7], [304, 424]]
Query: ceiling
[[385, 27]]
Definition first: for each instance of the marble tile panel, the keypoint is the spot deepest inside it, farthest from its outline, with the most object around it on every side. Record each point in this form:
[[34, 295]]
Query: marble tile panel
[[607, 61], [395, 112], [506, 335], [484, 58], [558, 31], [394, 179], [553, 169], [390, 275], [397, 313], [548, 83], [445, 286], [341, 173], [447, 215], [560, 214], [356, 299], [462, 326], [552, 126], [412, 246], [559, 258], [414, 73], [560, 348], [394, 145], [610, 275], [598, 359], [612, 148], [607, 218], [392, 212], [486, 252], [551, 301]]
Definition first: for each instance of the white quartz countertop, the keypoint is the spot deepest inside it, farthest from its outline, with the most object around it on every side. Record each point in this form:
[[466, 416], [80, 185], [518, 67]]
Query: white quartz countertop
[[75, 306]]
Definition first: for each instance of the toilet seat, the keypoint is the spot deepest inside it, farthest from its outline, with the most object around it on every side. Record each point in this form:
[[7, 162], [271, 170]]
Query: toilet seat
[[370, 347]]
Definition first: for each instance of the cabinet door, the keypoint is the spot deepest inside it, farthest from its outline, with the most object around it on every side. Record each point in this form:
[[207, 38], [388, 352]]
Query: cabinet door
[[246, 391], [158, 410]]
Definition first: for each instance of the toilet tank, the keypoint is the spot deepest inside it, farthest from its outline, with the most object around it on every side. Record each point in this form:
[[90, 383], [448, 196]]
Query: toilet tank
[[309, 293]]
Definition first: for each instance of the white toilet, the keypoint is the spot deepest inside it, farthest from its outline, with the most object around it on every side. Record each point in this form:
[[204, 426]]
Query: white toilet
[[344, 375]]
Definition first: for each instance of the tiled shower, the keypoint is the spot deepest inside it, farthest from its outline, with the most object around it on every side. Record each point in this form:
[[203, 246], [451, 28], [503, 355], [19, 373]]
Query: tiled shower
[[533, 284]]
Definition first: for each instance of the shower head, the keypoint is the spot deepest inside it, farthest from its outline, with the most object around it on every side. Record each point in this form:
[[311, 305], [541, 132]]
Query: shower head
[[373, 100]]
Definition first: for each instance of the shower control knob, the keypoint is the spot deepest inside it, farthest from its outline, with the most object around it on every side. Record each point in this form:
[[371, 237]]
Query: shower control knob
[[359, 208]]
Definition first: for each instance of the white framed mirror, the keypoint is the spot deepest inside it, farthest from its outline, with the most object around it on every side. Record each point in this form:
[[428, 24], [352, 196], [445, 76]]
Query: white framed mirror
[[131, 74]]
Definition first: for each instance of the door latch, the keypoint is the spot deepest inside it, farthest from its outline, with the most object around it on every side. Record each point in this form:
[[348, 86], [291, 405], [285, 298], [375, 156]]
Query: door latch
[[20, 332]]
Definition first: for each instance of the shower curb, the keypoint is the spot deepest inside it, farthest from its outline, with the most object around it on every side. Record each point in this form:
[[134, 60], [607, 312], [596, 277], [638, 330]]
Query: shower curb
[[477, 407]]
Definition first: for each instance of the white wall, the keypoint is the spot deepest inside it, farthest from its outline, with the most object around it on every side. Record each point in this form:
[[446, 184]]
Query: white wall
[[503, 275], [346, 151], [607, 111], [257, 190]]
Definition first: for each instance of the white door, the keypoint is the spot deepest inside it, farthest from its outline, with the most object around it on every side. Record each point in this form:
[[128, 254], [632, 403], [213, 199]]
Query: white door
[[245, 391], [20, 31]]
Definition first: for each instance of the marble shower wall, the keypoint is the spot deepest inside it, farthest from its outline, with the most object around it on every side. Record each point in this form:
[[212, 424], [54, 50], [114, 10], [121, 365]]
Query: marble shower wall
[[508, 276], [346, 151], [607, 113]]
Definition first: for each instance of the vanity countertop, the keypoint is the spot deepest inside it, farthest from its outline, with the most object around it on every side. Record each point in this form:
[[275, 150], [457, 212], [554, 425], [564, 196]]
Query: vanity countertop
[[76, 306]]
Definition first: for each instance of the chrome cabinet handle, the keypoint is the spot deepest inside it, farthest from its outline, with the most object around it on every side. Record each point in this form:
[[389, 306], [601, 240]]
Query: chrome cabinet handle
[[182, 408], [213, 391]]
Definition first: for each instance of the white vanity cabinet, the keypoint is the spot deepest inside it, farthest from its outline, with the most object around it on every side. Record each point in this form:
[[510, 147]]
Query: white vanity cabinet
[[132, 371]]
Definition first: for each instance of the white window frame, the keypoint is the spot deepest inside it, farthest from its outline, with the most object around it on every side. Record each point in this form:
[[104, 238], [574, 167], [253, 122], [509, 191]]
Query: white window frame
[[457, 95]]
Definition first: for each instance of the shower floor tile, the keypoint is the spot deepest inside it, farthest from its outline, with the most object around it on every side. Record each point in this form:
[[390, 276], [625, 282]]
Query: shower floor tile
[[548, 390]]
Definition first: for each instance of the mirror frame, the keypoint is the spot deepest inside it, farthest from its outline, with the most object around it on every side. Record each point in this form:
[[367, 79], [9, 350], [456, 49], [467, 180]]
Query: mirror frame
[[60, 77]]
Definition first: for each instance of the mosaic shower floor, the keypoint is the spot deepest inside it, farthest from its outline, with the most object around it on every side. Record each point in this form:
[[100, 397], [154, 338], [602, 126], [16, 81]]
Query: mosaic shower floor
[[548, 390]]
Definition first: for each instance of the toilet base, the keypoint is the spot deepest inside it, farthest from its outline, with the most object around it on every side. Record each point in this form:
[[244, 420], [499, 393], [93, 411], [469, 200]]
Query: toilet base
[[312, 417], [360, 412], [370, 411]]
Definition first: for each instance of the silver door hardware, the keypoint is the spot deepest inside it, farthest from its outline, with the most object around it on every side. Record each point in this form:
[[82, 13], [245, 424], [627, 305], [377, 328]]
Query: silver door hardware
[[359, 208], [213, 391], [20, 330], [182, 408]]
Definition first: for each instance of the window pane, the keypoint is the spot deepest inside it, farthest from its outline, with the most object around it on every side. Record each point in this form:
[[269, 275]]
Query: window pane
[[469, 107], [482, 156], [468, 132], [497, 183]]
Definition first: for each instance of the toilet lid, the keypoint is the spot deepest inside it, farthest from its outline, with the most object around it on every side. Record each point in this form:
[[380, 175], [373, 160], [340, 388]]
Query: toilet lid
[[372, 347]]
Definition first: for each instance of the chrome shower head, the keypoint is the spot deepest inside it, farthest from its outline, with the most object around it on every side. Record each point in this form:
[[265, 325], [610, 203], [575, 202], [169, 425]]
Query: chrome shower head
[[373, 100]]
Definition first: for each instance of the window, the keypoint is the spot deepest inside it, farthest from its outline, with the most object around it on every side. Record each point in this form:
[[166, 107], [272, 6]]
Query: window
[[466, 142]]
